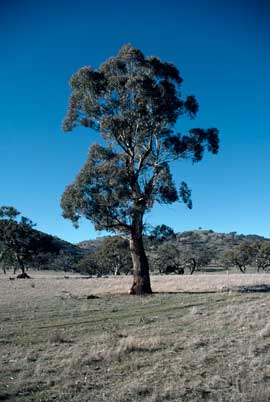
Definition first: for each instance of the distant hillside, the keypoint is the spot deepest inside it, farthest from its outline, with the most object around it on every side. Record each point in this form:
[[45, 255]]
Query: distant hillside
[[90, 245], [194, 238], [196, 242], [217, 242], [68, 248]]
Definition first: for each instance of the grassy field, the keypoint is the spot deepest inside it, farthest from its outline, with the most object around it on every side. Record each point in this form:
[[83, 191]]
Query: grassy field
[[198, 338]]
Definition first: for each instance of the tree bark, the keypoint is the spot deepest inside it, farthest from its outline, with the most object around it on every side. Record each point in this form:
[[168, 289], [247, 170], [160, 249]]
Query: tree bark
[[2, 256], [141, 278], [21, 265], [242, 268]]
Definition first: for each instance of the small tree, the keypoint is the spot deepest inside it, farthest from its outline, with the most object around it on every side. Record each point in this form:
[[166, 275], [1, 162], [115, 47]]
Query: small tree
[[15, 236], [202, 256], [19, 241], [168, 258], [88, 265], [133, 101], [162, 232], [262, 256], [240, 256], [113, 256]]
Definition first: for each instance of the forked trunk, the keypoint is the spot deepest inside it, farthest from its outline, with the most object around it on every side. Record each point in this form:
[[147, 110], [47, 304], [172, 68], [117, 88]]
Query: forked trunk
[[141, 278]]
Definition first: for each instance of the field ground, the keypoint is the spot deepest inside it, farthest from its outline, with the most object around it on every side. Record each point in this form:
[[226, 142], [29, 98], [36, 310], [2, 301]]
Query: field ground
[[198, 338]]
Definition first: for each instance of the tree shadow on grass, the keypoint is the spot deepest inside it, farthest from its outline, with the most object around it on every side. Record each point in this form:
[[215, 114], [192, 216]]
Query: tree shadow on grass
[[187, 292], [262, 288], [6, 397], [259, 288]]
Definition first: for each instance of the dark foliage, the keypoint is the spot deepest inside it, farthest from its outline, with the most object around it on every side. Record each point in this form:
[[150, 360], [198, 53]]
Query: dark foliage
[[162, 232], [20, 244]]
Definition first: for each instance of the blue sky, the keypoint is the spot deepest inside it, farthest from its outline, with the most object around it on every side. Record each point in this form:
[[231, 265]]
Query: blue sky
[[222, 51]]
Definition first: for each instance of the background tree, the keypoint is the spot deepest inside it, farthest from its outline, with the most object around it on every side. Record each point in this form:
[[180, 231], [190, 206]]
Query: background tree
[[15, 237], [19, 241], [202, 256], [168, 259], [88, 265], [113, 256], [6, 260], [55, 259], [262, 256], [133, 101], [240, 256], [162, 232]]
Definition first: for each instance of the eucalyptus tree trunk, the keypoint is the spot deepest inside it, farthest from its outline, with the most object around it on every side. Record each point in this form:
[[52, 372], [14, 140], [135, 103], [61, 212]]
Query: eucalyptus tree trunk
[[3, 266], [20, 264], [141, 278]]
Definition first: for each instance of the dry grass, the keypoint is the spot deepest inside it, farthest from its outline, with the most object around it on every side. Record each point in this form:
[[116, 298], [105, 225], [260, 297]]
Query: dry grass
[[205, 342], [53, 284]]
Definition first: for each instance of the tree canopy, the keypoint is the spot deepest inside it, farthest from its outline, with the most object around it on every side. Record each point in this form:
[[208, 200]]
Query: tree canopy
[[162, 232]]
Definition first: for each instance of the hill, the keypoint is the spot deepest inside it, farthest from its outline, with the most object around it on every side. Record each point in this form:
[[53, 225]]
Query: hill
[[214, 241], [218, 242], [90, 245]]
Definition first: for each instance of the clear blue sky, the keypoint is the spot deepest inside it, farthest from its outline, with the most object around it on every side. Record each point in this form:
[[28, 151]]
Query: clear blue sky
[[222, 49]]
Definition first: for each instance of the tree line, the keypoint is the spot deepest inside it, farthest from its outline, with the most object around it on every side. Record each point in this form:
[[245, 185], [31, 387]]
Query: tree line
[[246, 255], [21, 247]]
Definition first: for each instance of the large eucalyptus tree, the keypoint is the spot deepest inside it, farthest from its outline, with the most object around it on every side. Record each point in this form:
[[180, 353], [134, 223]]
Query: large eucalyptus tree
[[134, 102]]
